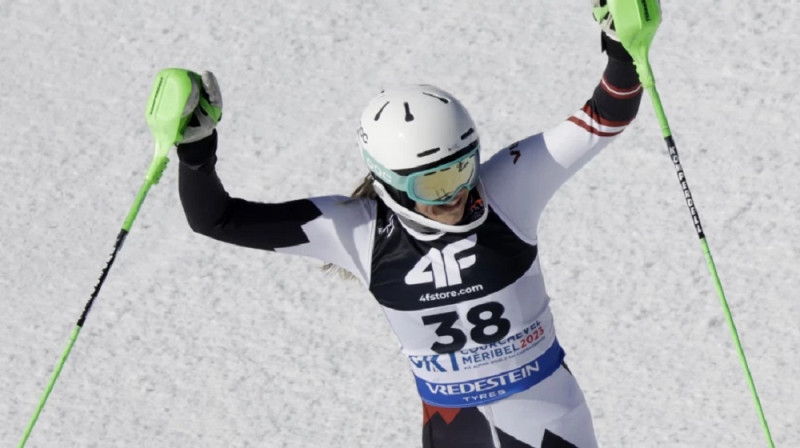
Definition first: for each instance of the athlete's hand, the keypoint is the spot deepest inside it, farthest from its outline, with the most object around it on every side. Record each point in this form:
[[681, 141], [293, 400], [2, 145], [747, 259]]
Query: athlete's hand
[[631, 23], [602, 15], [610, 41], [207, 112]]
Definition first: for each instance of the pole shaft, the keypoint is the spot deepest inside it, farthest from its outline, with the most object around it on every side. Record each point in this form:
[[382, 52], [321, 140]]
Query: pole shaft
[[50, 385], [673, 153], [157, 167]]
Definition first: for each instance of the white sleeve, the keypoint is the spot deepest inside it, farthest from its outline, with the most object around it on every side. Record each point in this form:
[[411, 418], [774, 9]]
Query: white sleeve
[[341, 235], [520, 179]]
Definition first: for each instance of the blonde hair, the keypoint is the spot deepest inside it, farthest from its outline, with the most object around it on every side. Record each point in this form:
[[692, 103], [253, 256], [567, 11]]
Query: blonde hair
[[363, 190]]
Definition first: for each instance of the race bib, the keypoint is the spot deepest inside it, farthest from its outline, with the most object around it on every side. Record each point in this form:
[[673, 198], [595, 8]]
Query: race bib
[[480, 373]]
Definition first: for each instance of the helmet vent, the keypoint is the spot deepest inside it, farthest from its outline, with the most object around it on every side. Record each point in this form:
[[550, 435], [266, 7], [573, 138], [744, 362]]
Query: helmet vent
[[428, 152], [467, 134], [442, 99], [409, 117], [380, 111]]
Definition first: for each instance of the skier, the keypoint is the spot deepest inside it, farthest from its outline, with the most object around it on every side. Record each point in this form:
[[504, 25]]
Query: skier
[[446, 243]]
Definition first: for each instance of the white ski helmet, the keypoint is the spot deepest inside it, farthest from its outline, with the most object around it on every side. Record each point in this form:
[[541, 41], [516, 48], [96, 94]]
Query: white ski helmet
[[410, 138]]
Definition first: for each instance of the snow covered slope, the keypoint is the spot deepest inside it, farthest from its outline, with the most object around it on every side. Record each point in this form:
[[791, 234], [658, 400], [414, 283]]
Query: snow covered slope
[[193, 343]]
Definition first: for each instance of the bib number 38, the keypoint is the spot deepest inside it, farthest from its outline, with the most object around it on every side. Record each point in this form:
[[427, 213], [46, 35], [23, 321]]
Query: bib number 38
[[488, 326]]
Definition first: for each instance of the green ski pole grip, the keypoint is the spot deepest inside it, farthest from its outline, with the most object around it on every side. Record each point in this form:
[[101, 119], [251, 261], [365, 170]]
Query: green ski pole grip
[[172, 100], [636, 23]]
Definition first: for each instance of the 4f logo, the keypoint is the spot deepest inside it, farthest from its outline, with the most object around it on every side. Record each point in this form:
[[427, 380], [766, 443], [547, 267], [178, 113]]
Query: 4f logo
[[443, 267]]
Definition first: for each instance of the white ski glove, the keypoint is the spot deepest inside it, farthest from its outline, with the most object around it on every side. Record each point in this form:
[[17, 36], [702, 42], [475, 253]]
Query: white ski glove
[[602, 15], [208, 112]]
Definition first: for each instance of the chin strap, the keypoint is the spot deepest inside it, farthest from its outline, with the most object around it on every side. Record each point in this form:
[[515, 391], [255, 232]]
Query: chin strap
[[422, 226]]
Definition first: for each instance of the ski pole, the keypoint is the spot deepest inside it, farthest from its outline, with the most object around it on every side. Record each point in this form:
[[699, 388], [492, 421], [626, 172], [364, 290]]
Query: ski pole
[[636, 22], [169, 108]]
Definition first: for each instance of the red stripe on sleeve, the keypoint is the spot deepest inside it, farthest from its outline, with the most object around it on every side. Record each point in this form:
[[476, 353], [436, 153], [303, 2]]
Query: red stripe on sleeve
[[620, 93], [587, 109], [591, 129]]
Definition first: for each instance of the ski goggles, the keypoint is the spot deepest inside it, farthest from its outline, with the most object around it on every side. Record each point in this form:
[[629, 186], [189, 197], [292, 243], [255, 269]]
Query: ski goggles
[[434, 186]]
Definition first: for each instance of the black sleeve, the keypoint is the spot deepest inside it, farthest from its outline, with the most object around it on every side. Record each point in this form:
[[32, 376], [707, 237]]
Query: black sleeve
[[212, 212], [616, 99]]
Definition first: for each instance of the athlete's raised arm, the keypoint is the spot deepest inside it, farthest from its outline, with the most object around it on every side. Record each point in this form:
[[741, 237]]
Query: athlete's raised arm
[[521, 178], [330, 228]]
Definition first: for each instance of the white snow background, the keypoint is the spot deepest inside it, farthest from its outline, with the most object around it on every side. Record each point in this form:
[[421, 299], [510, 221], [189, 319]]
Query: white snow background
[[193, 343]]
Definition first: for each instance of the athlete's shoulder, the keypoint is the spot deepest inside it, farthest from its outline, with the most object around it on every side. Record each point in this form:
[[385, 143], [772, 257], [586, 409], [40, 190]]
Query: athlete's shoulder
[[510, 158], [353, 211], [341, 233]]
